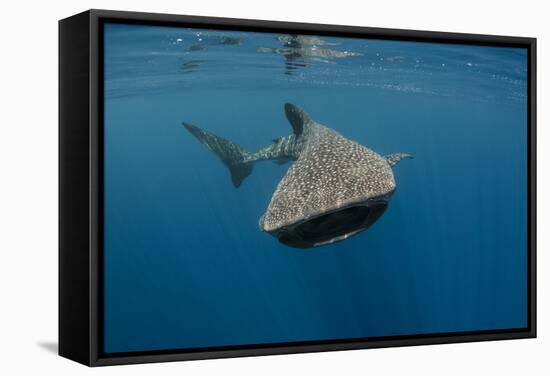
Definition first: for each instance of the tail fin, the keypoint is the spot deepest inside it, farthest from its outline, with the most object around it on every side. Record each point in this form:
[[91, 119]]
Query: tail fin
[[231, 154]]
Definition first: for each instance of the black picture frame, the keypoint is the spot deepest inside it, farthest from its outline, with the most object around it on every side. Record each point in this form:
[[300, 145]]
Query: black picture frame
[[81, 201]]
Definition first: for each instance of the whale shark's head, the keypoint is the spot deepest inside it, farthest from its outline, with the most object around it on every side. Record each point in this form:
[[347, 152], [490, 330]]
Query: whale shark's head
[[331, 226], [336, 189]]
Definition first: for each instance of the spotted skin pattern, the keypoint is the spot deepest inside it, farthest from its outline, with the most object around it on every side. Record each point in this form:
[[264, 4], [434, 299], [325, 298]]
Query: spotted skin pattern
[[330, 172]]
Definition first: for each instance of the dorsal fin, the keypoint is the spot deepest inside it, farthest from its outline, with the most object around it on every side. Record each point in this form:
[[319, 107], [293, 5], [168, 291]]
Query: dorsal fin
[[297, 118]]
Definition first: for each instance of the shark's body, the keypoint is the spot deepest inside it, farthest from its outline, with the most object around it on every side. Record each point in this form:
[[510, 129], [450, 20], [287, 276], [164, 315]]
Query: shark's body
[[297, 40], [300, 50], [334, 189], [206, 41]]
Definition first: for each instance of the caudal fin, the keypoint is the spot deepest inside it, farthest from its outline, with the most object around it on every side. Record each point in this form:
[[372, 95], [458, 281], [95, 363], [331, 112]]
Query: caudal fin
[[231, 154]]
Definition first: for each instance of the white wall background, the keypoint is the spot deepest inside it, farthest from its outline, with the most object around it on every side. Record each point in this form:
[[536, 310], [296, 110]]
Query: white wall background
[[28, 185]]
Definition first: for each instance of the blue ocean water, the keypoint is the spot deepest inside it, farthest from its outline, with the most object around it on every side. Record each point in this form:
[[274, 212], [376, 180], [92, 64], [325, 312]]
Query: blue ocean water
[[185, 264]]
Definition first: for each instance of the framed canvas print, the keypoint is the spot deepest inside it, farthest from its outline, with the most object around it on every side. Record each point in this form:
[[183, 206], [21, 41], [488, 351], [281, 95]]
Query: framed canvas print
[[238, 187]]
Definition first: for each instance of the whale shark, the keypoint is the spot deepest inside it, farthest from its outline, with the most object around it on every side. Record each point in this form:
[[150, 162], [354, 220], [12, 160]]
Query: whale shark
[[308, 52], [334, 189], [300, 50], [297, 40], [213, 40]]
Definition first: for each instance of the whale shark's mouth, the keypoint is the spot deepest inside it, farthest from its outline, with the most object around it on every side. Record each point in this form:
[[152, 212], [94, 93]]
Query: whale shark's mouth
[[332, 226]]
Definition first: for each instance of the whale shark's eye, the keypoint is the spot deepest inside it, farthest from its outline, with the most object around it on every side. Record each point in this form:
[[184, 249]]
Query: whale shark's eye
[[333, 226]]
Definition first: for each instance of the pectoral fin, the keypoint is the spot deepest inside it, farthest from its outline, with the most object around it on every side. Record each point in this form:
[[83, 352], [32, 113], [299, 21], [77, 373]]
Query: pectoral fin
[[395, 158]]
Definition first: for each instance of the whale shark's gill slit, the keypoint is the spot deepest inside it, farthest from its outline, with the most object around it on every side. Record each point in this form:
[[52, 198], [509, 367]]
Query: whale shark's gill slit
[[331, 227]]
